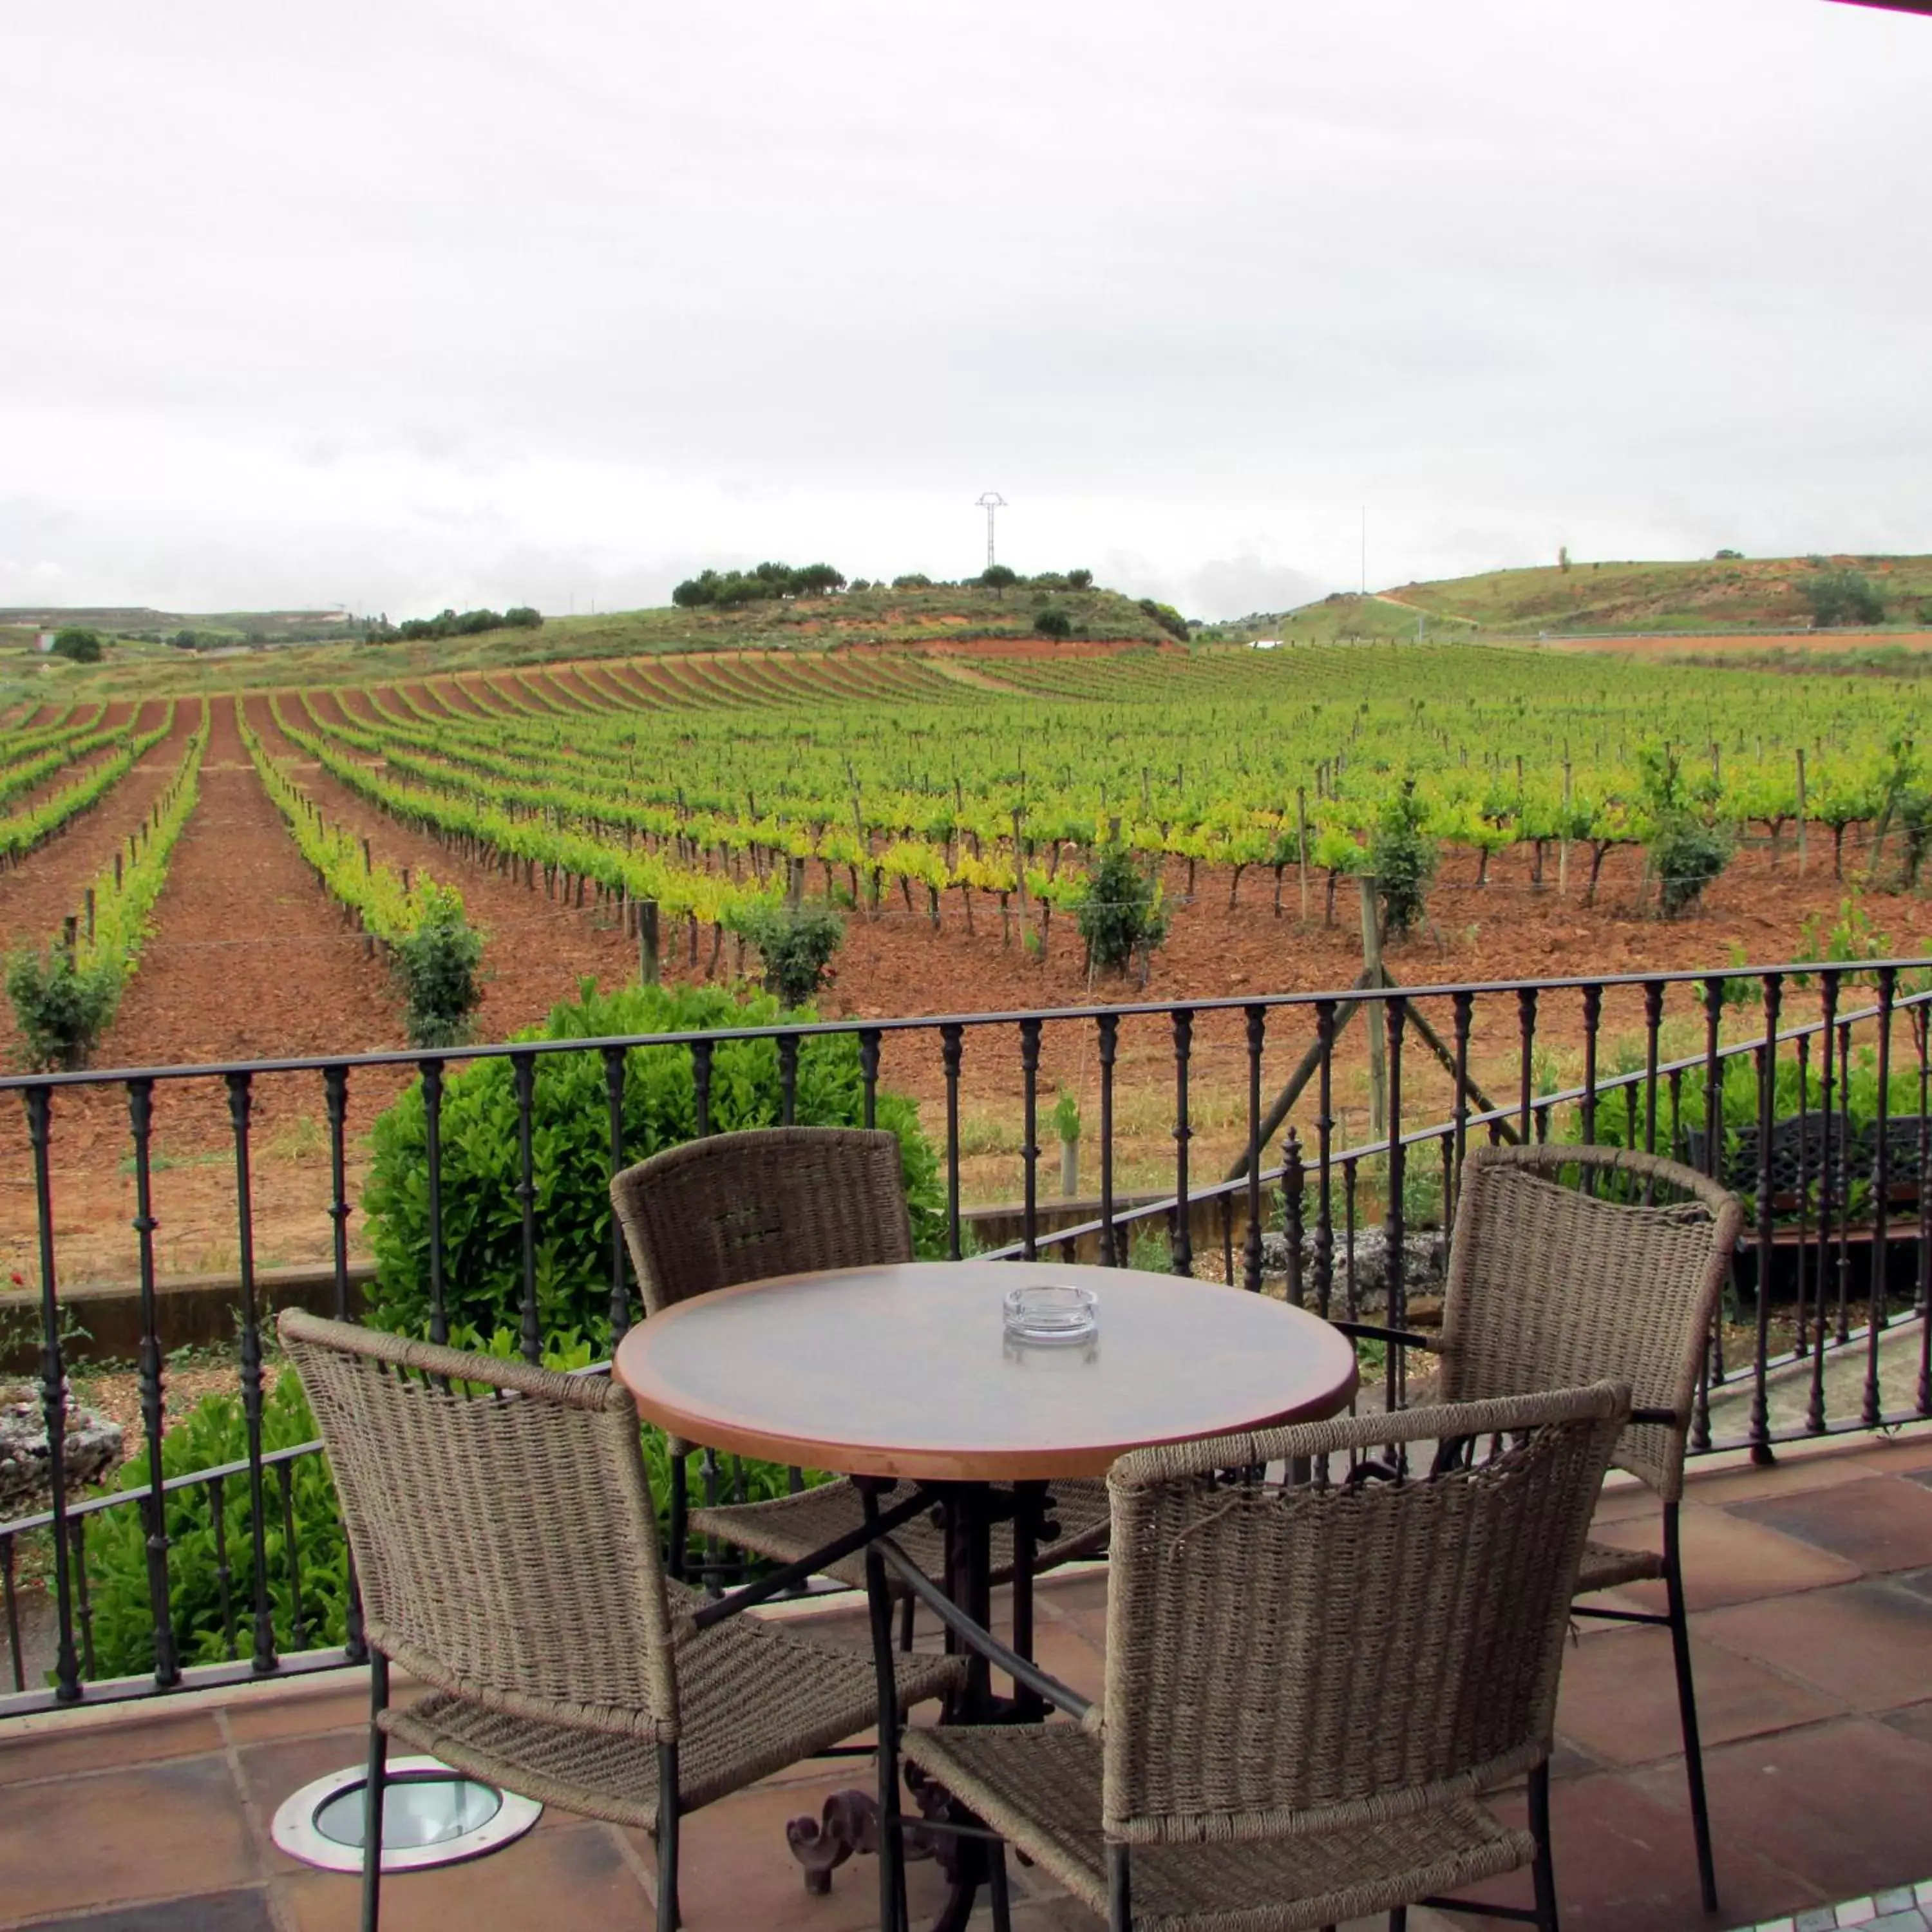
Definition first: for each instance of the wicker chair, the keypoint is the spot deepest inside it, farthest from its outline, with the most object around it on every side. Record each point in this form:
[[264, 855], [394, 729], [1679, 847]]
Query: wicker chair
[[1549, 1283], [775, 1201], [1308, 1686], [505, 1542]]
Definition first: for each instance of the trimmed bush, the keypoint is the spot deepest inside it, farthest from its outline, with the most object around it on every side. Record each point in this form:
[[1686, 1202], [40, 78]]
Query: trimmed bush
[[1119, 912], [1403, 857], [797, 944], [482, 1217], [437, 965], [60, 1009]]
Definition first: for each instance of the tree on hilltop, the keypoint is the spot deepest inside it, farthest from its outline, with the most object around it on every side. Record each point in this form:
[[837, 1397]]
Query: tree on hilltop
[[996, 577]]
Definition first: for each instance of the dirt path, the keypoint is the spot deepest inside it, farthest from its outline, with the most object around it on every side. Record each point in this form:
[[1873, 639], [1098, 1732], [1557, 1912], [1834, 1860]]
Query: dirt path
[[47, 885], [249, 959], [536, 949]]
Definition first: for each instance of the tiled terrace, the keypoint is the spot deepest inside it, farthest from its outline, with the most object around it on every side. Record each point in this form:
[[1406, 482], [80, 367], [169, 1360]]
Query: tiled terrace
[[1811, 1589]]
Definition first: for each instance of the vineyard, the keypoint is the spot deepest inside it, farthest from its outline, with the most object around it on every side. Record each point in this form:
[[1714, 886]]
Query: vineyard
[[290, 849]]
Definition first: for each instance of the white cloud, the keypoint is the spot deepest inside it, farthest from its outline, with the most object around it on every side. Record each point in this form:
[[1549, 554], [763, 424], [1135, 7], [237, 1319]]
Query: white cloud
[[413, 303]]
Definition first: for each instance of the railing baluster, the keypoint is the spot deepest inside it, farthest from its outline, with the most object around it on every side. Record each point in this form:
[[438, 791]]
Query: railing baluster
[[1767, 1117], [1291, 1187], [6, 1586], [53, 1390], [1828, 1034], [787, 1078], [1324, 1147], [1800, 1345], [1593, 1022], [1395, 1265], [1715, 1166], [1653, 1024], [1251, 1264], [141, 1115], [1844, 1181], [614, 1097], [1030, 1136], [335, 1100], [1463, 1006], [1879, 1314], [1922, 1014], [524, 1067], [432, 1092], [1111, 1245], [700, 1088], [240, 1104], [952, 1046], [83, 1602], [292, 1543], [1182, 1249], [1526, 1013], [224, 1576], [868, 1072]]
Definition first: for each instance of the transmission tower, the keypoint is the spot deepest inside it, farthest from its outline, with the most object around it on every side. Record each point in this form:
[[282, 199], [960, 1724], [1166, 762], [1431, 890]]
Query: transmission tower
[[990, 502]]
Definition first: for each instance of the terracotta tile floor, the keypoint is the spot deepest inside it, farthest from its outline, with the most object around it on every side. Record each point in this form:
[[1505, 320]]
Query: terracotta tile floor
[[1813, 1653]]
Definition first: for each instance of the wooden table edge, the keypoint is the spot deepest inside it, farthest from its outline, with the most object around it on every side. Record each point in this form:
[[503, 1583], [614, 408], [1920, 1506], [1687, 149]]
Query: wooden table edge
[[743, 1436]]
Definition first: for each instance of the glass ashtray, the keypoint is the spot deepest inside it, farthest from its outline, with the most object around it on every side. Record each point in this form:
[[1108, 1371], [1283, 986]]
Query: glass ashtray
[[1050, 1311]]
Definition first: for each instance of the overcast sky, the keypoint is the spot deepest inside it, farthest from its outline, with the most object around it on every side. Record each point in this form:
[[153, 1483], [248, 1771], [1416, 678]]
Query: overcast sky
[[404, 303]]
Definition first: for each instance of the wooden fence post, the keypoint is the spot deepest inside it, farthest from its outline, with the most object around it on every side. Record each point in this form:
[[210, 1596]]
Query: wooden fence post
[[1801, 812], [647, 941], [1372, 976]]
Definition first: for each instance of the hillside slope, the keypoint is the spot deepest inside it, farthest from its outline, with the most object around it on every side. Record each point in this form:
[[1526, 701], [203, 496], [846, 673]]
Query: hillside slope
[[931, 616], [1758, 593]]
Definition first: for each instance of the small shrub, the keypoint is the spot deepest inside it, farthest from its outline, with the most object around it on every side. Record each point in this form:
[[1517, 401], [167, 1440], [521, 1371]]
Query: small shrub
[[1066, 1114], [522, 617], [1052, 623], [60, 1010], [437, 963], [1119, 912], [1842, 596], [1687, 854], [1167, 617], [77, 644], [1688, 848], [913, 580], [482, 1217], [1402, 858], [797, 944]]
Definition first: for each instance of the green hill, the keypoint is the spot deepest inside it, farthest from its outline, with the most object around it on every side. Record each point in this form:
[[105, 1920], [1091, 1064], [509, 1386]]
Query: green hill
[[926, 615], [1766, 594]]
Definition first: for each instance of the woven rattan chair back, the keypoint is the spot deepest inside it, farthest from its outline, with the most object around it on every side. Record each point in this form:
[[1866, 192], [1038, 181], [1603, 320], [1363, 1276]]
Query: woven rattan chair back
[[1557, 1276], [1293, 1658], [772, 1201], [505, 1538]]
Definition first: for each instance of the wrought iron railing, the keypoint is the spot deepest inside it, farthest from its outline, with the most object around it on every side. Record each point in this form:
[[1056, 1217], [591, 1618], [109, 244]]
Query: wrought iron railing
[[1864, 1026]]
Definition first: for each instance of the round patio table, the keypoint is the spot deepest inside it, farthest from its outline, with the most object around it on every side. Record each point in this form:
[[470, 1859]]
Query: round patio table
[[905, 1373]]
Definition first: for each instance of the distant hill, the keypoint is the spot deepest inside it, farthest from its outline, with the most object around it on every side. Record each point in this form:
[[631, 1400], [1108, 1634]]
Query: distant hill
[[139, 621], [914, 617], [1587, 599]]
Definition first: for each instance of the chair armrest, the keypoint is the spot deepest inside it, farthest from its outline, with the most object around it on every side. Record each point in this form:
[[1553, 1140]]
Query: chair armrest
[[1028, 1676]]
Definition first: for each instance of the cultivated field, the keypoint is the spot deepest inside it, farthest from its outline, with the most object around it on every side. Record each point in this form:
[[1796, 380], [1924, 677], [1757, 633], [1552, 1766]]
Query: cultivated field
[[948, 801]]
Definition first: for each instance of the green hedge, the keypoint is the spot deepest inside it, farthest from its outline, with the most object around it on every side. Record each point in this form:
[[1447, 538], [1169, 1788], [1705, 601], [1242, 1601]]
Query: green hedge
[[482, 1215], [213, 1432]]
